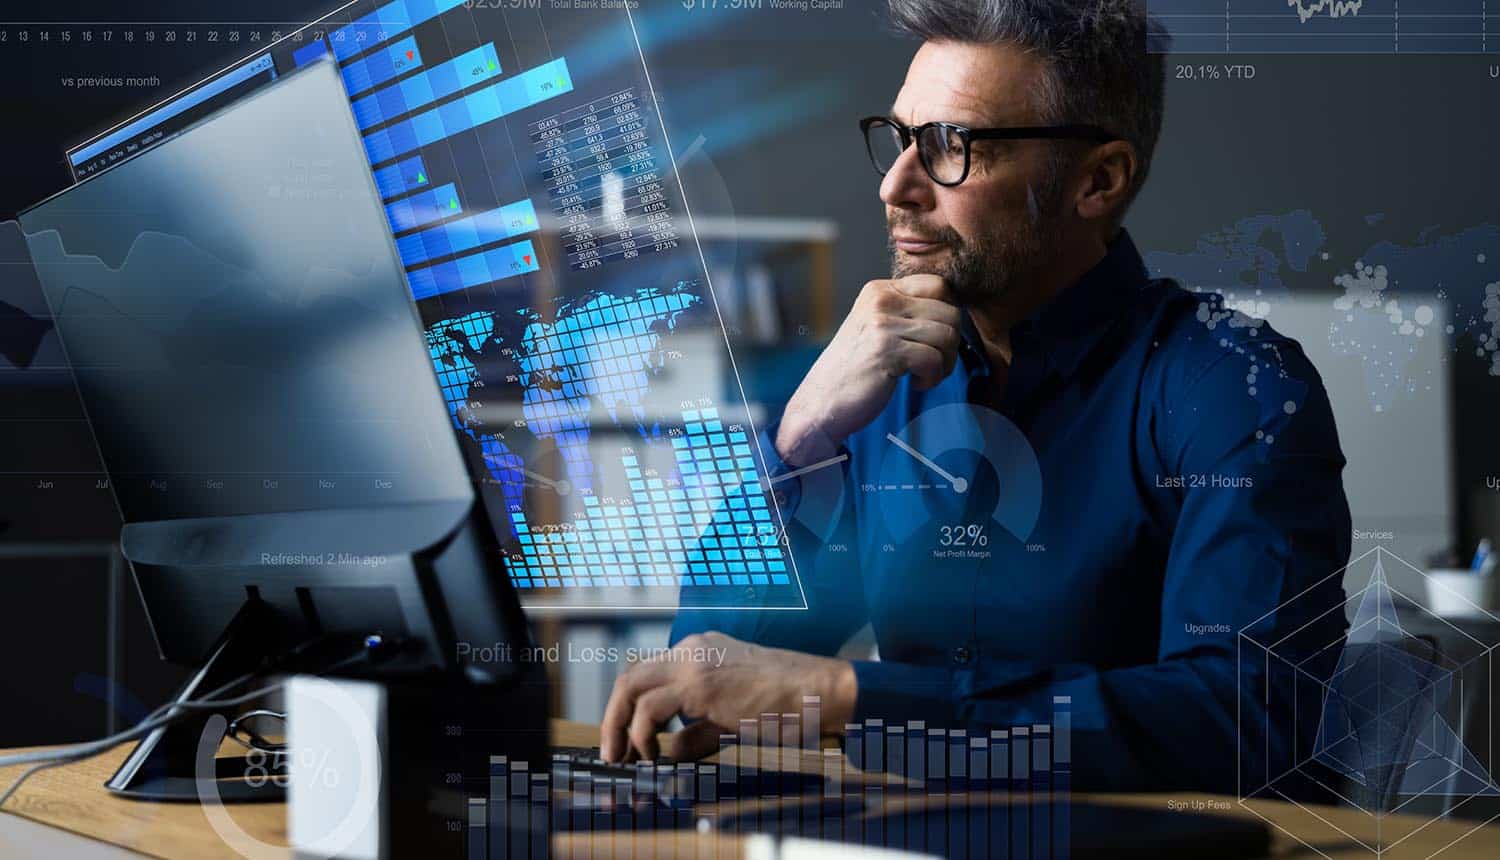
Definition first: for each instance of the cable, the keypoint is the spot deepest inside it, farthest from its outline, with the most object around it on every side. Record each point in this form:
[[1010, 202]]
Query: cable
[[253, 740], [167, 714]]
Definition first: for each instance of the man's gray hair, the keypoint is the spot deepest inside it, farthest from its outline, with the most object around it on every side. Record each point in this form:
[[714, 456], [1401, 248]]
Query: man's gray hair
[[1100, 71]]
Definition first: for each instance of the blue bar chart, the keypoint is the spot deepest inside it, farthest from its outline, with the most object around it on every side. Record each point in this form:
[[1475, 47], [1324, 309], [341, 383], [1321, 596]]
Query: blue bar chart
[[473, 271], [380, 66], [401, 177], [714, 530], [419, 90], [386, 22], [466, 234], [484, 105], [423, 208], [309, 52]]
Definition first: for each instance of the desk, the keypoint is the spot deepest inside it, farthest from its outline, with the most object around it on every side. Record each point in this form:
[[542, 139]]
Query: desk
[[73, 799]]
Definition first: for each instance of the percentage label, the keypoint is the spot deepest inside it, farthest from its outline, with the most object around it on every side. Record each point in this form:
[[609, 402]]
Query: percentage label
[[970, 534], [317, 767]]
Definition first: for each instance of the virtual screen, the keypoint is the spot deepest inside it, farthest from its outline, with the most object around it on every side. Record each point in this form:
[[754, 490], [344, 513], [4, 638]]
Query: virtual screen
[[528, 183]]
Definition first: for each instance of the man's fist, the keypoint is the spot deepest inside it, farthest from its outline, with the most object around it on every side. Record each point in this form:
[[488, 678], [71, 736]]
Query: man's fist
[[900, 327]]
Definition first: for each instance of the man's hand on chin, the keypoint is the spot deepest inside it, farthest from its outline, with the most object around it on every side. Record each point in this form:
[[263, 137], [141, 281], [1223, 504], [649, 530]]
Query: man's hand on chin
[[718, 681]]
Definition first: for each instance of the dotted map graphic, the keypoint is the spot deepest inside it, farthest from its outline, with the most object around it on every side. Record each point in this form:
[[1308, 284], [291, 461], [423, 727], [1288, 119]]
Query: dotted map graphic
[[706, 525], [1383, 302]]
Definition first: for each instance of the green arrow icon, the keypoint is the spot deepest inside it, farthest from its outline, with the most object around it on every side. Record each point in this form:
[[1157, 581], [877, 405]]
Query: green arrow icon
[[453, 204], [421, 179]]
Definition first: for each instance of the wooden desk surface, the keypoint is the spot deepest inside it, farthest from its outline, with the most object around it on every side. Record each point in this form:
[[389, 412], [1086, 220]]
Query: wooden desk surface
[[73, 798]]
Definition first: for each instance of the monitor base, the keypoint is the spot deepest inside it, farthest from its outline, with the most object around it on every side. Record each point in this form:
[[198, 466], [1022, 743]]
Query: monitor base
[[164, 765]]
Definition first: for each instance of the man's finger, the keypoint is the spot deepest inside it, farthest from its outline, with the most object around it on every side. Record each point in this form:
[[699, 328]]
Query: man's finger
[[943, 338], [924, 363], [613, 742], [932, 309], [924, 287], [654, 709], [698, 740]]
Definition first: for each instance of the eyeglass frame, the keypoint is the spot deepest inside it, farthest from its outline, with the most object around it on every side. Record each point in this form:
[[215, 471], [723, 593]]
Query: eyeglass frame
[[911, 133]]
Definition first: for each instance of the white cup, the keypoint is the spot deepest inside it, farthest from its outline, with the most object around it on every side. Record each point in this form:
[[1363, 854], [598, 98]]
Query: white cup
[[1462, 593]]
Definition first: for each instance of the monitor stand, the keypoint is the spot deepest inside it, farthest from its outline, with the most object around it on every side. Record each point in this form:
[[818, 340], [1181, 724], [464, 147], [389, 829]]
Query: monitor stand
[[163, 766]]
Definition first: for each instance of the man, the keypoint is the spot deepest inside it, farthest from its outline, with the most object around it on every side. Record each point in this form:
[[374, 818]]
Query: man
[[1189, 470]]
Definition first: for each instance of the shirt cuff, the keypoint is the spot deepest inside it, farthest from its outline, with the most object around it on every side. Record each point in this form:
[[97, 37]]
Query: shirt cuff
[[900, 692], [788, 492]]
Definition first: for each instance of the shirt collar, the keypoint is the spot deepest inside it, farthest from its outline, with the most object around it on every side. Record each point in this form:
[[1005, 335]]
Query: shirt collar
[[1067, 329]]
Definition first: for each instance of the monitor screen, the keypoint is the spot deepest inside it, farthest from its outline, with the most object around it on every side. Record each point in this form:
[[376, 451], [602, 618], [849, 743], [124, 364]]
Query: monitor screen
[[236, 319], [532, 192]]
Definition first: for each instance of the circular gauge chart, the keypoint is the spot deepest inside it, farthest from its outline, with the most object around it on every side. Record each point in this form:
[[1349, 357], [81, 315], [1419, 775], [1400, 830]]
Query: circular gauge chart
[[959, 464]]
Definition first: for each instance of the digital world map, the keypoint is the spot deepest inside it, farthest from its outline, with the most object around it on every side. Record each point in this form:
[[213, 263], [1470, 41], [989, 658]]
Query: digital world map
[[1382, 303], [708, 524]]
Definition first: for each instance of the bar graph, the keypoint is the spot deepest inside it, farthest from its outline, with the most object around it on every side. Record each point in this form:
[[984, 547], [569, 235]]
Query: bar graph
[[423, 208], [484, 105], [473, 271], [401, 177], [466, 234], [309, 52], [382, 65], [1001, 792], [417, 91], [386, 22]]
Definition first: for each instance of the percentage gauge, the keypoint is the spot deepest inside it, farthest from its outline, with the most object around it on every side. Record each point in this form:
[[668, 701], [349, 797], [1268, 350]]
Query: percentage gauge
[[971, 464]]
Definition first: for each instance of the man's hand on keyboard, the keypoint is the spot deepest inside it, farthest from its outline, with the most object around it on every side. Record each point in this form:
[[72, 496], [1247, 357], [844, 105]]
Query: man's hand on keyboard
[[717, 680]]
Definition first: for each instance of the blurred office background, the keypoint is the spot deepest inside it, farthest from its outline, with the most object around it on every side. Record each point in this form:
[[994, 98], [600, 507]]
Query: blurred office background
[[1278, 190]]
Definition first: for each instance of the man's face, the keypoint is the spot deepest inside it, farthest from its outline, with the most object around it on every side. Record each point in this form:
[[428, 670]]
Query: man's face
[[1000, 224]]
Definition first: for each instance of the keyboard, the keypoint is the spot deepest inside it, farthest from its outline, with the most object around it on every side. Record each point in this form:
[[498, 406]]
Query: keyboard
[[673, 782]]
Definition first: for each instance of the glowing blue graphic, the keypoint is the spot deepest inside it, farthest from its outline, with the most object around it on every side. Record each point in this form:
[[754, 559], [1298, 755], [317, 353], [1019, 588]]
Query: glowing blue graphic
[[1389, 297], [382, 65], [387, 22], [600, 350], [443, 80], [401, 177], [708, 524], [419, 209], [713, 529], [475, 109], [474, 270], [950, 444], [464, 234]]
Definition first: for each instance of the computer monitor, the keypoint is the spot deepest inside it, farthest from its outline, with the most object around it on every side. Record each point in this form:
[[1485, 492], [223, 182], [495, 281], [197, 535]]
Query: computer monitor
[[239, 328], [532, 189]]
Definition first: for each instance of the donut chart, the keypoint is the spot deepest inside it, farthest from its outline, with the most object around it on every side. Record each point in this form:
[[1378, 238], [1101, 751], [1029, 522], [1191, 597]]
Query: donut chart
[[952, 446]]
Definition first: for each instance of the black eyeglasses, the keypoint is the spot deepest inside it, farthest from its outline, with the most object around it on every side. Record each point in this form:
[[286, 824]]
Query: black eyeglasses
[[943, 147]]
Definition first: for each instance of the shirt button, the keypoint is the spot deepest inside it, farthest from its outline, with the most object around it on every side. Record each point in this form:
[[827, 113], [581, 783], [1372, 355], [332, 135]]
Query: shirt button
[[961, 655]]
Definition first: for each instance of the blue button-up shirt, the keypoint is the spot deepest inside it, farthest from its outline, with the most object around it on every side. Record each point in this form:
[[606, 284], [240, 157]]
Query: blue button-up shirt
[[1156, 475]]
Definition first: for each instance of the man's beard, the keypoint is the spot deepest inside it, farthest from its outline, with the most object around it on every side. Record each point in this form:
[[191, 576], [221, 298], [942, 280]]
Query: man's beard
[[989, 266]]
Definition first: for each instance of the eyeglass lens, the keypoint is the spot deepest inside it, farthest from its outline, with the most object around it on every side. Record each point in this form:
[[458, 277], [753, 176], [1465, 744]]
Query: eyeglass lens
[[941, 150]]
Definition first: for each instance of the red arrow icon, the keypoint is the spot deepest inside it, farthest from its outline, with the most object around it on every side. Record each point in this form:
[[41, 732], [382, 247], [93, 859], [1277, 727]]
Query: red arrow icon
[[408, 55], [527, 258]]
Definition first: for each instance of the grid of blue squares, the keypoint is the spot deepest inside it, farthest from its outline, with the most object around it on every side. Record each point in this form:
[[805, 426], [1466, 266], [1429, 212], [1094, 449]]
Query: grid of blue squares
[[714, 530]]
